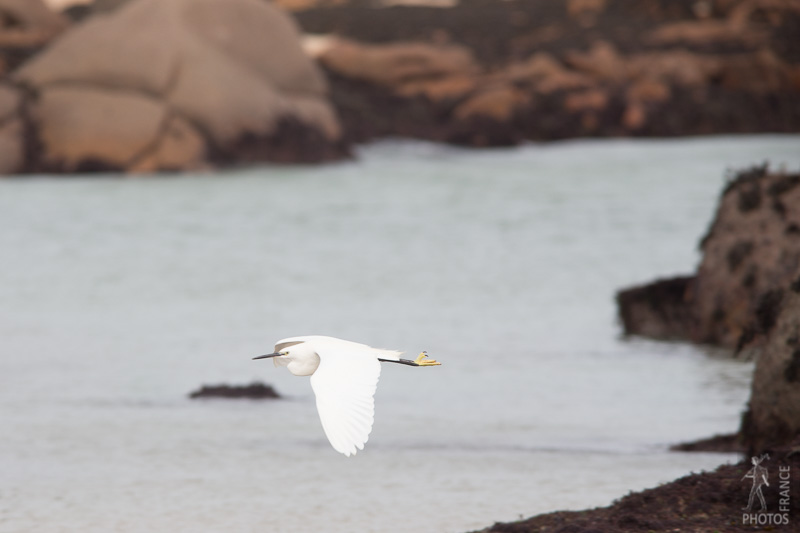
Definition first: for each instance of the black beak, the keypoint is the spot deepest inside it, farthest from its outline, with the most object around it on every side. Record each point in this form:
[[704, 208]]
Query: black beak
[[276, 354]]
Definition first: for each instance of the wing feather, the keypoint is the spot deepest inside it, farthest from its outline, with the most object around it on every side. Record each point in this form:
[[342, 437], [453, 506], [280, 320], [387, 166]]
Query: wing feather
[[344, 385]]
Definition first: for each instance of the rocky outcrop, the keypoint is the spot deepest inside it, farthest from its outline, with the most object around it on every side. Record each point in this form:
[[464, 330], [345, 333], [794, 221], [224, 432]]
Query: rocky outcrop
[[751, 252], [415, 89], [551, 70], [175, 85], [750, 255], [773, 415], [599, 92], [659, 310], [744, 296], [772, 418], [254, 391], [547, 70]]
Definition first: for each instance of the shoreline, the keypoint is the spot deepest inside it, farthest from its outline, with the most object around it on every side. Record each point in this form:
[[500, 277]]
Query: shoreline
[[699, 502]]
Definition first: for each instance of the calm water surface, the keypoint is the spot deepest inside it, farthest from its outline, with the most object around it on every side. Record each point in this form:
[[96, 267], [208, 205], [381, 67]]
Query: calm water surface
[[119, 296]]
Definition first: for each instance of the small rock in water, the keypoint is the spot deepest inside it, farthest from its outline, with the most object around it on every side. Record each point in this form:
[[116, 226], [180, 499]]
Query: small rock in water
[[254, 391]]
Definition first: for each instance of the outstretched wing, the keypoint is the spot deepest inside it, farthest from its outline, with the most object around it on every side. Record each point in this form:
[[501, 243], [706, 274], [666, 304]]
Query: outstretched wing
[[344, 384]]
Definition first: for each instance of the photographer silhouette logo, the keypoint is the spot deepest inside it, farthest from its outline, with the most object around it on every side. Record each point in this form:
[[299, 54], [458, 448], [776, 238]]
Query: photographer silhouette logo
[[760, 476]]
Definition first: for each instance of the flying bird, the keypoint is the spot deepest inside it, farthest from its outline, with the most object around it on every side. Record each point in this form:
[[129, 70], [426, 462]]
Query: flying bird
[[344, 376]]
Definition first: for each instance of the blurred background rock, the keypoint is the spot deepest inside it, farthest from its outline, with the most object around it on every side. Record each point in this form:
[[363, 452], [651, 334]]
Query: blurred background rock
[[471, 72], [164, 85]]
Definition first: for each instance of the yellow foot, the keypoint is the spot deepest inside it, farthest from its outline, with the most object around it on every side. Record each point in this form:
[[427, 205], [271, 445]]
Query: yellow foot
[[422, 360]]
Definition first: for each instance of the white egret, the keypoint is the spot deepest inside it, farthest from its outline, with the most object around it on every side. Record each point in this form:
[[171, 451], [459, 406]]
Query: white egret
[[344, 376]]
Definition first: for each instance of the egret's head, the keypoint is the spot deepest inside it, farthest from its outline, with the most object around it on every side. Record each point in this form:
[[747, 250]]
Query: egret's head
[[282, 353], [295, 353]]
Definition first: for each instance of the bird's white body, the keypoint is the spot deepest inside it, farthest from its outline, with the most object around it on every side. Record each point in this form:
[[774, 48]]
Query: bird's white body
[[344, 377], [303, 359]]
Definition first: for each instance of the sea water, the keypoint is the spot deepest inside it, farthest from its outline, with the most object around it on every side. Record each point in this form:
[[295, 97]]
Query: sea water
[[119, 296]]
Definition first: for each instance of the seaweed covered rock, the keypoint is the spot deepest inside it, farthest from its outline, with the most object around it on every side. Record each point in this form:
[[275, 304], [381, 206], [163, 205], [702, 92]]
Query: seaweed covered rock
[[699, 502], [178, 84], [773, 416], [657, 310], [750, 256], [254, 391], [745, 295]]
